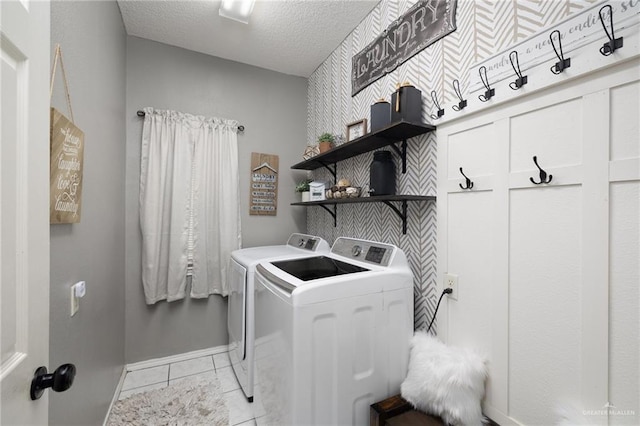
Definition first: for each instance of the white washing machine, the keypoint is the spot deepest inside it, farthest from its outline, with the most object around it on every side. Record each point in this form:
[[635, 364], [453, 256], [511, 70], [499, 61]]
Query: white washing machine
[[332, 333], [240, 308]]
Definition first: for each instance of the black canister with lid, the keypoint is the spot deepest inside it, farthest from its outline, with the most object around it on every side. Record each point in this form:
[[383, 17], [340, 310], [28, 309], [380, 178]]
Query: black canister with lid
[[406, 104], [380, 115], [382, 174]]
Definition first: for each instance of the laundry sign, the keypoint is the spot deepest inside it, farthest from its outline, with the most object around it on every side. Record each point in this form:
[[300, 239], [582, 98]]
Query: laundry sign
[[67, 149], [425, 23], [263, 193]]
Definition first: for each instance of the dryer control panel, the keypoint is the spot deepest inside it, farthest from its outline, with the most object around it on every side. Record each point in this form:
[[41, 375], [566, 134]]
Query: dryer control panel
[[364, 251], [305, 242]]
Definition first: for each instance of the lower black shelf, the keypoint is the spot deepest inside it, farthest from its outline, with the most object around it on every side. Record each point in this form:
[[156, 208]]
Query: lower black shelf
[[386, 199]]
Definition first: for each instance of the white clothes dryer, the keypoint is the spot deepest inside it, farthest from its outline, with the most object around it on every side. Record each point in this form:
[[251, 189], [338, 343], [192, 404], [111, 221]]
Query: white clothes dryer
[[240, 308], [332, 333]]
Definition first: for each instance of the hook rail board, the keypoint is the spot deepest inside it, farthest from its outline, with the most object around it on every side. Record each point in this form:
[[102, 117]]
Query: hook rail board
[[580, 29], [583, 44]]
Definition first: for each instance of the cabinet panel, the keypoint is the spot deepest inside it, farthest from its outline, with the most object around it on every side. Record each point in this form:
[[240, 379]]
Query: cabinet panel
[[625, 111], [553, 134], [472, 150], [624, 302], [470, 257], [471, 260], [545, 262], [565, 257]]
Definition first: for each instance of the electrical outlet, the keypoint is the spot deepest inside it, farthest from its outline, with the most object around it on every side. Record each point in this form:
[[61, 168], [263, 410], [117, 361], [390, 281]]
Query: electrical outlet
[[451, 281]]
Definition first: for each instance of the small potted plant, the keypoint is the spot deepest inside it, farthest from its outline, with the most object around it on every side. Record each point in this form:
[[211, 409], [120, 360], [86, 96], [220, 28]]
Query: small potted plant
[[325, 142], [303, 188]]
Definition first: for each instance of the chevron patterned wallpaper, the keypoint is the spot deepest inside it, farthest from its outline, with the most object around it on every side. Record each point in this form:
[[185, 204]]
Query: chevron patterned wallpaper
[[485, 27]]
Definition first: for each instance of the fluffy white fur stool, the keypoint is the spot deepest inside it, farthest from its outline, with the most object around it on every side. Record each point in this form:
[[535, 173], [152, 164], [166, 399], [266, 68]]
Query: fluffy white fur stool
[[445, 381]]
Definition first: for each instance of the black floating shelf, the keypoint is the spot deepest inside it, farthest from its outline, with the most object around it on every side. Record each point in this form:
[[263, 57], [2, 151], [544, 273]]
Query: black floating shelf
[[376, 199], [400, 131], [386, 199]]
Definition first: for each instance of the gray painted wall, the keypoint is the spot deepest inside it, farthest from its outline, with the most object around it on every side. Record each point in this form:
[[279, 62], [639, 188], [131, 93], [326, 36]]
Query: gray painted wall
[[272, 107], [93, 42]]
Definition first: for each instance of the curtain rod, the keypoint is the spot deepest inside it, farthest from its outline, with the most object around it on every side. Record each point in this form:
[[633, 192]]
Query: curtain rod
[[141, 113]]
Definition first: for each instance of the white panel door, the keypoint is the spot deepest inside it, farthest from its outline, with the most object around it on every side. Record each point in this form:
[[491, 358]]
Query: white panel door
[[24, 208]]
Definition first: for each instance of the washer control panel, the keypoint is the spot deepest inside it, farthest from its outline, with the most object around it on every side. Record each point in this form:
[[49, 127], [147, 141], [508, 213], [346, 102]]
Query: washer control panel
[[363, 250], [376, 254]]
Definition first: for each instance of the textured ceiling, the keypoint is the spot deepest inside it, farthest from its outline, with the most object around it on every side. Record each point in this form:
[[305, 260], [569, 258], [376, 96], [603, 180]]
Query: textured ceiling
[[288, 36]]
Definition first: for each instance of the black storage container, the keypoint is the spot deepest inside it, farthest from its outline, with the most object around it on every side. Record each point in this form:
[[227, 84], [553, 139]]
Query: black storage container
[[406, 104], [380, 115], [382, 178]]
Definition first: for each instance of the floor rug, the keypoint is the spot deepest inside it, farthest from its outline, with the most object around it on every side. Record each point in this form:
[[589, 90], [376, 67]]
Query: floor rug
[[188, 402]]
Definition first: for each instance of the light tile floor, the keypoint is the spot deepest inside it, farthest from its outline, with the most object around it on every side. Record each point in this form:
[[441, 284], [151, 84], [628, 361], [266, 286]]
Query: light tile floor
[[240, 410]]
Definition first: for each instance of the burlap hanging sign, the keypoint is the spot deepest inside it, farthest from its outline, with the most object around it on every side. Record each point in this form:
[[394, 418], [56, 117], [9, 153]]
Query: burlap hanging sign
[[67, 154]]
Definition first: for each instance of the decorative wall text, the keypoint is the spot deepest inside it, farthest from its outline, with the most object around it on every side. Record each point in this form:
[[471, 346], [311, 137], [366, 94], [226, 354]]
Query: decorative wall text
[[67, 149], [424, 24]]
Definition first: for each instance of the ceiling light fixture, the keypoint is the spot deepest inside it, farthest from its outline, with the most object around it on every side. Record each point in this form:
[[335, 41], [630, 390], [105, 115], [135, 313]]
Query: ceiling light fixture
[[238, 10]]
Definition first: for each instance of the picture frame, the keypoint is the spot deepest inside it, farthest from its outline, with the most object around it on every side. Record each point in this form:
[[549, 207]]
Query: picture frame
[[356, 129], [311, 151]]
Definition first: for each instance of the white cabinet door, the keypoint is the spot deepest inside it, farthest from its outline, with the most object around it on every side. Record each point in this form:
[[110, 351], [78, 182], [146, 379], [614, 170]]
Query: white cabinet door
[[24, 208]]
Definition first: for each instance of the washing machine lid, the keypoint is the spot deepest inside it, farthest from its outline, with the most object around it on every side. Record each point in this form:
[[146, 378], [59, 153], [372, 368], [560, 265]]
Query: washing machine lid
[[312, 268], [297, 245], [249, 256]]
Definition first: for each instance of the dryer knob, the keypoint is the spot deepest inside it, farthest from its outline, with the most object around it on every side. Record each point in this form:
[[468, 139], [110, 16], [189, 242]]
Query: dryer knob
[[301, 242], [356, 250]]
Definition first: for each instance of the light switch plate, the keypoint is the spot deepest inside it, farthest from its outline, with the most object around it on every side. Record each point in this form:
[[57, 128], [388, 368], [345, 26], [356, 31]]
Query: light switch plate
[[75, 302], [78, 290]]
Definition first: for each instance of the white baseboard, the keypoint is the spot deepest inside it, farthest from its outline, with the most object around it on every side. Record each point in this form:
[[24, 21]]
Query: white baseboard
[[176, 358], [499, 417]]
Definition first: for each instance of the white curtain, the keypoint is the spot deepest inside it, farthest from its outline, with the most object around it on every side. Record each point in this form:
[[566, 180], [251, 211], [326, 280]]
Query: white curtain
[[189, 204]]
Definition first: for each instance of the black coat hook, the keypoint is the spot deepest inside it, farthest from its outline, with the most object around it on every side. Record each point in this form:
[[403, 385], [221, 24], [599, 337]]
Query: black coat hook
[[489, 93], [563, 63], [614, 43], [522, 79], [463, 102], [468, 183], [434, 98], [543, 174]]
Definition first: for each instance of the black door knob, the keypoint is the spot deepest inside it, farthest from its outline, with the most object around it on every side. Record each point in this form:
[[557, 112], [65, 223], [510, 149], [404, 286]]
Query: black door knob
[[59, 381]]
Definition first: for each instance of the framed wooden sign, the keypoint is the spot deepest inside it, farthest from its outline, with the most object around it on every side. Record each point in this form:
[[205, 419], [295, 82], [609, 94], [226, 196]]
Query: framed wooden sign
[[67, 150], [422, 25], [263, 193]]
